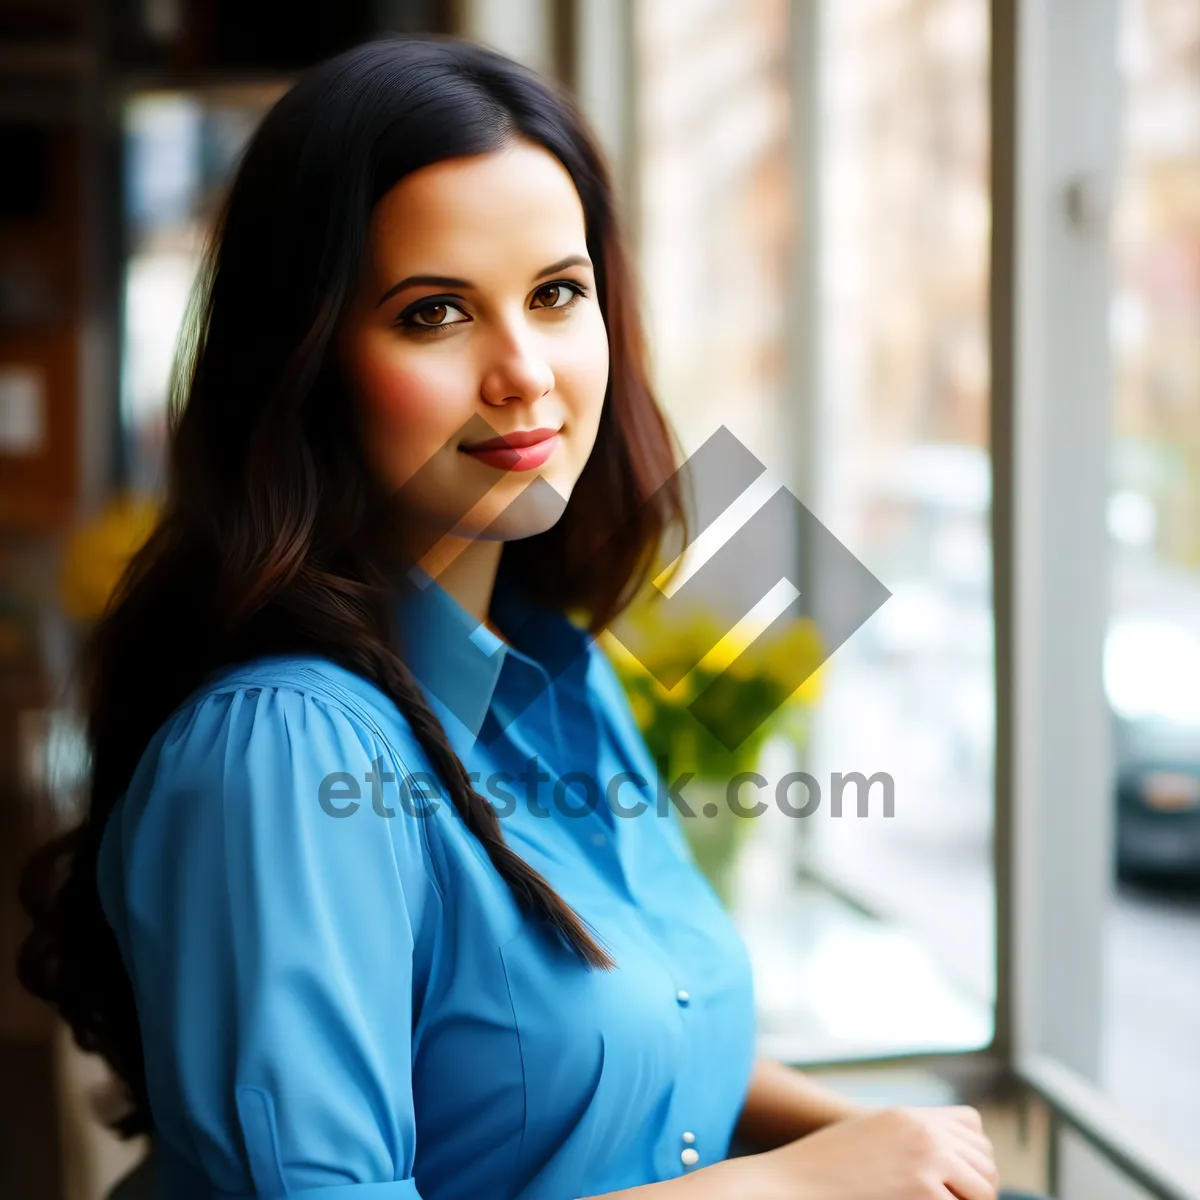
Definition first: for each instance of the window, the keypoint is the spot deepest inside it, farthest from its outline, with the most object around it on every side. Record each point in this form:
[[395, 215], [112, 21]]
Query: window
[[179, 151], [1152, 656]]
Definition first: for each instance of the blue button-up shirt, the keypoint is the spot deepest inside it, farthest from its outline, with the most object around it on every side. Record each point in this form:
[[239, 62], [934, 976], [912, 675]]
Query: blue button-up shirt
[[338, 994]]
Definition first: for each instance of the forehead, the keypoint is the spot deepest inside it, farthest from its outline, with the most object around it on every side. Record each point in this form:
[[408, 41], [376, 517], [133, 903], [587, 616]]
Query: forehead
[[513, 208]]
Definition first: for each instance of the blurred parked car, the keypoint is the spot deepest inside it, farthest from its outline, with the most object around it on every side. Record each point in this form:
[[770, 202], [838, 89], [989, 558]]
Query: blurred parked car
[[1152, 676]]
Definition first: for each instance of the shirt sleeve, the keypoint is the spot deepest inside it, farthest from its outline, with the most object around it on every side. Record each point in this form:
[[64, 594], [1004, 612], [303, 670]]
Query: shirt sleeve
[[270, 914]]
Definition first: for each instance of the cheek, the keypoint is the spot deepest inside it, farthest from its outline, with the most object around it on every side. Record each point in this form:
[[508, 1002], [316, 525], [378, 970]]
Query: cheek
[[401, 390], [583, 370], [409, 405]]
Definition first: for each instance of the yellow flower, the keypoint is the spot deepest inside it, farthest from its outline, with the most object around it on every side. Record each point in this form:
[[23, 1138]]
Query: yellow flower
[[780, 656], [98, 551], [621, 658], [799, 649], [697, 637], [643, 710], [809, 692]]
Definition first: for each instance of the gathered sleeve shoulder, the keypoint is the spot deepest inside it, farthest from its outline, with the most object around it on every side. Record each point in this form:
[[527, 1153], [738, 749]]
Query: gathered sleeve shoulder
[[269, 922]]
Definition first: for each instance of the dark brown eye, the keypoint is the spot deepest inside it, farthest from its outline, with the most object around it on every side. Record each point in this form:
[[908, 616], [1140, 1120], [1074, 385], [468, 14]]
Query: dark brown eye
[[558, 294], [433, 315]]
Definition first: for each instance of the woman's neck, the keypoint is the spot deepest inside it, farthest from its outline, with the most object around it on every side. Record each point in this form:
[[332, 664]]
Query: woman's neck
[[466, 569]]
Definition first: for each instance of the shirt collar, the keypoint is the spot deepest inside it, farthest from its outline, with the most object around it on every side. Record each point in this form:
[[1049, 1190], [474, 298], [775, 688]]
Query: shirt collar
[[458, 661]]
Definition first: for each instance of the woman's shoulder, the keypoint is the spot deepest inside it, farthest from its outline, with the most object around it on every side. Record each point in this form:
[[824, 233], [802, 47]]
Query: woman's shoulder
[[250, 782], [299, 682], [296, 742], [307, 674], [294, 717]]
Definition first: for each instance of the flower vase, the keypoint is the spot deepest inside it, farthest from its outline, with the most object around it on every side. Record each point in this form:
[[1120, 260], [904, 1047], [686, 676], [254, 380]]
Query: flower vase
[[715, 834]]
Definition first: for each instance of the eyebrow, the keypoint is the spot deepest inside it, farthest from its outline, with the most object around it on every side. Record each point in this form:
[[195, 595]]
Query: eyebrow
[[447, 281]]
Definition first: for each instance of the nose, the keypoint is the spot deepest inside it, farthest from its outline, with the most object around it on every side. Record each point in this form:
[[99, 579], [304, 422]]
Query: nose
[[517, 370]]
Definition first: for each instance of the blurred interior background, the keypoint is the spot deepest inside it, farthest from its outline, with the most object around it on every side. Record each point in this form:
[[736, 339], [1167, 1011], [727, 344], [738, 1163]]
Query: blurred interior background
[[937, 264]]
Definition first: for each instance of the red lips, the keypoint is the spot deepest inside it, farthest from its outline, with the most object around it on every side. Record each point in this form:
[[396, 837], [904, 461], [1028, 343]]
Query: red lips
[[513, 441]]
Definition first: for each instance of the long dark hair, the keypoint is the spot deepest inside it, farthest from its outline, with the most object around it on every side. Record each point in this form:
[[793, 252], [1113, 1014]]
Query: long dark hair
[[268, 541]]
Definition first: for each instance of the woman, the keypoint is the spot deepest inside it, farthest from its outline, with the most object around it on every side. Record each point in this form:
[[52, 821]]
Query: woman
[[329, 945]]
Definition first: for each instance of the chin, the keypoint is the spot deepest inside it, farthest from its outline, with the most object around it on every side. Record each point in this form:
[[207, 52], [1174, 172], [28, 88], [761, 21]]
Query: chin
[[538, 507]]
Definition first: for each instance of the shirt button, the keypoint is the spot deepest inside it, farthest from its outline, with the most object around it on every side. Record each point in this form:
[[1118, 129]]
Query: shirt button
[[682, 996], [598, 839], [688, 1157], [689, 1138]]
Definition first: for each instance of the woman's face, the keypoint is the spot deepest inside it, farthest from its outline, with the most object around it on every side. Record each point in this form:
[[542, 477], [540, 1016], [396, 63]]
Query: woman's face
[[477, 318]]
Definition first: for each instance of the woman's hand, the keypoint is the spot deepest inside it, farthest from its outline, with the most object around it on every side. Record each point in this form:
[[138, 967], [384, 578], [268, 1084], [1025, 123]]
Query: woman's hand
[[898, 1153]]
